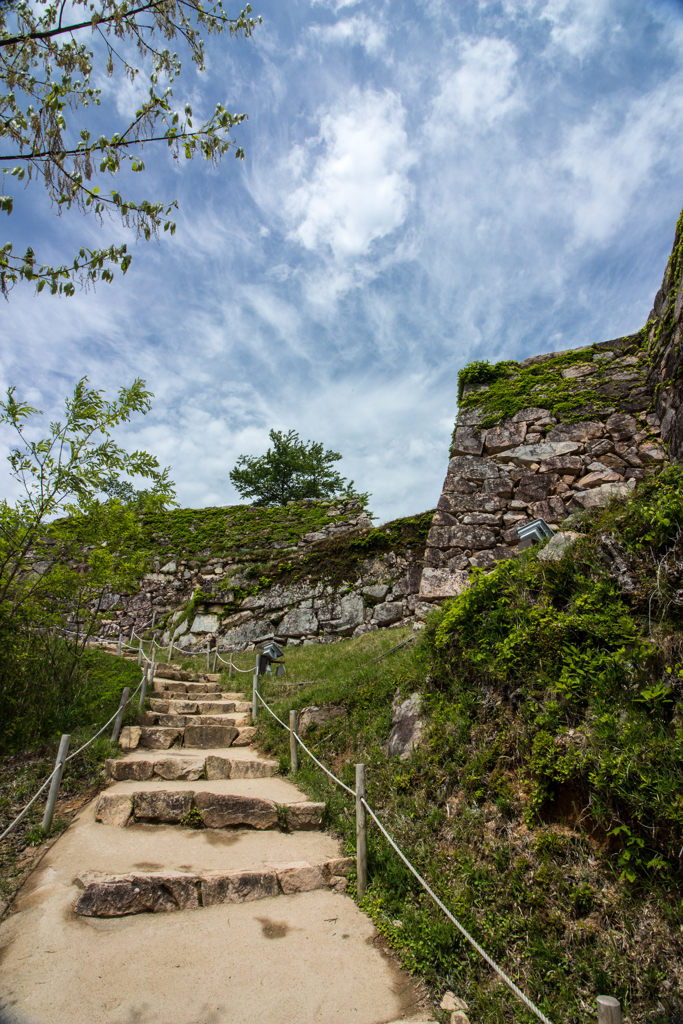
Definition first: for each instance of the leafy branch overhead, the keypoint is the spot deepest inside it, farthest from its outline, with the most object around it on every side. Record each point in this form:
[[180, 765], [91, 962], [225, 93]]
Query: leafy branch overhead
[[290, 471], [46, 70]]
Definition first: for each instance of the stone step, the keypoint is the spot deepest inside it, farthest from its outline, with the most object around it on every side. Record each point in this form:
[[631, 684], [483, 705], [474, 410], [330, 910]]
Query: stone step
[[192, 767], [206, 808], [164, 891], [180, 721], [162, 737]]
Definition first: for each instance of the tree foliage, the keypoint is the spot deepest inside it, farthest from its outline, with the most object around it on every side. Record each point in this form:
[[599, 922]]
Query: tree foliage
[[46, 71], [290, 471], [67, 550]]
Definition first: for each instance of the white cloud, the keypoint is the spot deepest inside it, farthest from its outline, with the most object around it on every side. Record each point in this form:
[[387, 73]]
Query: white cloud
[[481, 91], [358, 189], [358, 31], [577, 25]]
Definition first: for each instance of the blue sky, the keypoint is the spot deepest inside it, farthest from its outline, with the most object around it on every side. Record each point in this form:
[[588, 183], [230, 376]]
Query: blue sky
[[425, 183]]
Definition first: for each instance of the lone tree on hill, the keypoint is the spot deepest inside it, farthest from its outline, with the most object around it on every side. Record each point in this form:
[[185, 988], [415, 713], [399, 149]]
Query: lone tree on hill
[[290, 471], [46, 69]]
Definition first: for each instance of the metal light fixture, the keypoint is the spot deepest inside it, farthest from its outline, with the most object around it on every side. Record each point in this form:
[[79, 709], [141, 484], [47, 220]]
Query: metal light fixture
[[533, 533]]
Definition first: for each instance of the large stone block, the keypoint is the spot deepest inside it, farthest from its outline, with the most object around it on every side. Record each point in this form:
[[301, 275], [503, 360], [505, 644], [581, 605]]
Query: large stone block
[[181, 707], [245, 736], [499, 439], [385, 614], [300, 876], [530, 415], [535, 486], [158, 738], [564, 465], [581, 430], [205, 624], [558, 545], [203, 736], [319, 716], [137, 894], [253, 769], [114, 809], [161, 806], [172, 768], [298, 622], [472, 468], [553, 510], [406, 727], [352, 614], [621, 426], [600, 496], [441, 583], [454, 503], [238, 886], [130, 737], [467, 441], [223, 810], [473, 537], [124, 771], [305, 816], [526, 455]]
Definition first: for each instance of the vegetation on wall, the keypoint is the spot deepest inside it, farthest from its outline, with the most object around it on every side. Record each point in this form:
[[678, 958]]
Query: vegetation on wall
[[544, 803]]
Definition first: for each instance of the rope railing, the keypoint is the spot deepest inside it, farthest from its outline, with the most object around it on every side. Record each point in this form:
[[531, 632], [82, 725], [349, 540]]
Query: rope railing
[[360, 799]]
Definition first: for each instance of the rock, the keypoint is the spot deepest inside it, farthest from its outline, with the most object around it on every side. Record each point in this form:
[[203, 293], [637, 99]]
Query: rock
[[440, 583], [298, 622], [499, 439], [467, 441], [530, 415], [175, 688], [595, 479], [474, 537], [613, 462], [158, 737], [599, 496], [201, 687], [130, 737], [299, 876], [339, 867], [471, 503], [203, 736], [565, 465], [578, 370], [377, 592], [385, 614], [482, 560], [452, 1002], [535, 486], [218, 767], [180, 707], [238, 887], [651, 454], [124, 771], [406, 727], [305, 816], [621, 426], [557, 545], [482, 519], [171, 768], [114, 809], [459, 1017], [161, 805], [528, 454], [553, 510], [222, 810], [319, 716], [174, 721], [244, 736], [150, 718], [160, 706], [352, 615], [582, 430], [471, 468], [137, 894], [501, 485], [205, 624]]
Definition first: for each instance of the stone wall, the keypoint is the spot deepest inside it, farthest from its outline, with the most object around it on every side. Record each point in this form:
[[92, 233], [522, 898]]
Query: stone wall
[[664, 340]]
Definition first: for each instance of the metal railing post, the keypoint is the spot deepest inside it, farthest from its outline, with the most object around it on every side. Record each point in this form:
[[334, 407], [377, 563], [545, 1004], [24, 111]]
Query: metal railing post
[[56, 783], [293, 745], [361, 832], [609, 1010], [118, 721], [143, 688]]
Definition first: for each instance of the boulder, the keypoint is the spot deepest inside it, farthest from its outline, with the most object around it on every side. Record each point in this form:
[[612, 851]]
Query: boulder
[[125, 771], [158, 737], [352, 615], [172, 768], [222, 810], [621, 426], [499, 439], [440, 583], [137, 894], [319, 716], [557, 545], [161, 806], [298, 622], [385, 614], [209, 735], [299, 876], [305, 816], [376, 592], [130, 737], [114, 809], [238, 887], [205, 624], [599, 496], [406, 727]]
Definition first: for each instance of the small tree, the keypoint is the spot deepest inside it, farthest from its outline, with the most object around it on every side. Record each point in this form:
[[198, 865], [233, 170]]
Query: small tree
[[290, 471]]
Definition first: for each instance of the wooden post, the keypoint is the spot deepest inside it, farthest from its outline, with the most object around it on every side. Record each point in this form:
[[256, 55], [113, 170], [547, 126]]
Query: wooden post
[[56, 783], [151, 668], [609, 1010], [170, 651], [208, 657], [254, 690], [361, 833], [154, 619], [293, 745], [118, 653], [230, 668], [215, 656], [140, 653], [143, 688], [118, 721]]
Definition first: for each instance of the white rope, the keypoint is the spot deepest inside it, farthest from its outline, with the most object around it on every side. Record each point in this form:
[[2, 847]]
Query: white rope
[[33, 800], [302, 744], [234, 666], [508, 981]]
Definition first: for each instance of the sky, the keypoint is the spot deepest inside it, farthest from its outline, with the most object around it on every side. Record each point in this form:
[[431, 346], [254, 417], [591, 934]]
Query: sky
[[425, 183]]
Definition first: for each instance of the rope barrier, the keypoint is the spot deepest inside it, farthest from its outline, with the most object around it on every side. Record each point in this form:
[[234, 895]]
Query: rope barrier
[[29, 805], [482, 952]]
